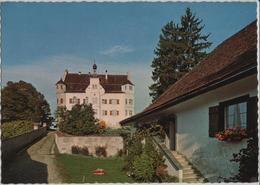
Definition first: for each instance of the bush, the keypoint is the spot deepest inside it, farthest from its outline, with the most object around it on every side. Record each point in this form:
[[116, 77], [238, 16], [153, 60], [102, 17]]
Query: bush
[[101, 151], [84, 151], [75, 149], [16, 128], [78, 121], [143, 169]]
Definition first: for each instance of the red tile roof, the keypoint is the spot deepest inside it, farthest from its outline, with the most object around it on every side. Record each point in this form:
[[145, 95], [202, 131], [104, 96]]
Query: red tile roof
[[237, 53], [79, 82]]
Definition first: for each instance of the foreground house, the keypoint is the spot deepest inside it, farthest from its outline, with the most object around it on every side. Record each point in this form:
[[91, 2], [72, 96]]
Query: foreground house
[[112, 96], [219, 93]]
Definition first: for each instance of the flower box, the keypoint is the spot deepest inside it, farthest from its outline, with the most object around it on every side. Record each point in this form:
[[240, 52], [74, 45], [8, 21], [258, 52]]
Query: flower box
[[231, 134]]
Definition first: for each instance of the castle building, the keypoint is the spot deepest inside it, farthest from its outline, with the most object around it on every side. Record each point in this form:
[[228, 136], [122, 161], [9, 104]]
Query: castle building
[[111, 96]]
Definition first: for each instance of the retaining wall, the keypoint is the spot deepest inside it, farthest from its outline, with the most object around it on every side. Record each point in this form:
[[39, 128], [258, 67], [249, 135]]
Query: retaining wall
[[112, 143], [10, 147]]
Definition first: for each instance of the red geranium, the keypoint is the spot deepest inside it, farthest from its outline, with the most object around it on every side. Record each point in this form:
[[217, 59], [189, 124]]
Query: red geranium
[[231, 134]]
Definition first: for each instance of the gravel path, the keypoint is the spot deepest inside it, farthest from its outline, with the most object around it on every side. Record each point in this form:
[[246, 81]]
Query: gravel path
[[35, 165]]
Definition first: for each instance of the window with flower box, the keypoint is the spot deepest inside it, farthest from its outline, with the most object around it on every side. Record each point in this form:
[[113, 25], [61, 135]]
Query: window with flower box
[[239, 113]]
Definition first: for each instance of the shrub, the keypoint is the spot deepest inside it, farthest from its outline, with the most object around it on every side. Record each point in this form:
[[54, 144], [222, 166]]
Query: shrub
[[16, 128], [120, 153], [75, 149], [101, 151], [84, 151], [78, 121], [143, 169]]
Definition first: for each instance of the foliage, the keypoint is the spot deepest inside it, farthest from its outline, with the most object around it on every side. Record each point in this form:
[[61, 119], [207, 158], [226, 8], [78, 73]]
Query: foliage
[[138, 152], [180, 48], [75, 149], [248, 162], [78, 166], [79, 120], [231, 134], [15, 128], [21, 101], [143, 168], [101, 151], [102, 124]]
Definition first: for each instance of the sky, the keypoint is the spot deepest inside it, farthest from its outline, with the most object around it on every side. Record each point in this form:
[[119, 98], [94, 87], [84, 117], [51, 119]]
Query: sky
[[41, 40]]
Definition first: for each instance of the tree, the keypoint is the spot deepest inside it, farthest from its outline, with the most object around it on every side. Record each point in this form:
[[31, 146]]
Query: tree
[[180, 48], [79, 120], [21, 101]]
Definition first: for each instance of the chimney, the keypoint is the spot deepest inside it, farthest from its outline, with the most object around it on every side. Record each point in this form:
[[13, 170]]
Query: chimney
[[106, 75]]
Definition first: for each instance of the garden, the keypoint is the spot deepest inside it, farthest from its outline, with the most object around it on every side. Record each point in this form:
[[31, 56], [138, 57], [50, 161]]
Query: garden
[[139, 161]]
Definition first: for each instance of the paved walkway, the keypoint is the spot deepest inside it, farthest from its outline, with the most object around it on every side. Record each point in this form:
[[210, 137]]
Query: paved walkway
[[35, 165]]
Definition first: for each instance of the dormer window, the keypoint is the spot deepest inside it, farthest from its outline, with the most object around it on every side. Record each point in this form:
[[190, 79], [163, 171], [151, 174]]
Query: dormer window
[[130, 87], [61, 86]]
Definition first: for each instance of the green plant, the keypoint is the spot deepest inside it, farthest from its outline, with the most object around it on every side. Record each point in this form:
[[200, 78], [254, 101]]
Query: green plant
[[84, 151], [78, 121], [247, 158], [75, 149], [231, 134], [101, 151], [15, 128], [143, 169]]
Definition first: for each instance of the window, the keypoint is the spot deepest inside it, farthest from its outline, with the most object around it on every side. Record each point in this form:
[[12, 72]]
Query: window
[[130, 102], [238, 112], [71, 100], [114, 113], [104, 112], [104, 101], [94, 100], [61, 86], [78, 101], [85, 100], [61, 101], [126, 101], [114, 101], [130, 113], [57, 87], [57, 101], [75, 99], [125, 112], [130, 87], [125, 87], [235, 115]]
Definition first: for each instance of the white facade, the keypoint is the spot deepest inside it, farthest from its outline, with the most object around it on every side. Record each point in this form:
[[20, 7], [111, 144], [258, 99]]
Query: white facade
[[210, 156], [108, 106]]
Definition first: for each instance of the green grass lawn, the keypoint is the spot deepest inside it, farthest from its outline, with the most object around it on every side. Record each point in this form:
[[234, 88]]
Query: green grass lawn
[[79, 168]]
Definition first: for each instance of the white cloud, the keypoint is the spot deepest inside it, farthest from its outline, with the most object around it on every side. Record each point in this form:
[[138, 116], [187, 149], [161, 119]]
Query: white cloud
[[116, 50], [44, 73]]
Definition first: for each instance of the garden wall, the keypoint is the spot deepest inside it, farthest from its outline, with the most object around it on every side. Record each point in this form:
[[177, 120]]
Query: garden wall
[[113, 144], [13, 145]]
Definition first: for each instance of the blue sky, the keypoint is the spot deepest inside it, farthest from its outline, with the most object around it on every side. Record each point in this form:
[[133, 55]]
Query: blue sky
[[41, 40]]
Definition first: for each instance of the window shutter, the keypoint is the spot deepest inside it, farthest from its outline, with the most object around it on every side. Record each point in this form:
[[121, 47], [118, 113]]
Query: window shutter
[[216, 121], [252, 115]]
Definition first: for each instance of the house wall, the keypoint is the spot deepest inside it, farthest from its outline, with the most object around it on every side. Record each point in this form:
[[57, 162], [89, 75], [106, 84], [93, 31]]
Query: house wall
[[210, 156], [99, 93]]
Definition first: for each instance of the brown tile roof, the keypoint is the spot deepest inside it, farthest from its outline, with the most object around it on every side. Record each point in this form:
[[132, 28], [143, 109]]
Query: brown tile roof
[[232, 56], [79, 82]]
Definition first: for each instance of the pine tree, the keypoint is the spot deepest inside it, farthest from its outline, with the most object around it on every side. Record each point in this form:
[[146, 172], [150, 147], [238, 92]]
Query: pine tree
[[180, 48], [194, 42]]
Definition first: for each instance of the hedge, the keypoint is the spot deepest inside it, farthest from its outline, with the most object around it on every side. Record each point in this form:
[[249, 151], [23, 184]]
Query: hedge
[[15, 128]]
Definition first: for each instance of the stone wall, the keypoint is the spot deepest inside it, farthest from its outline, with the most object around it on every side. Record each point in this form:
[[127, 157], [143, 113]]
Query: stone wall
[[112, 143], [13, 145]]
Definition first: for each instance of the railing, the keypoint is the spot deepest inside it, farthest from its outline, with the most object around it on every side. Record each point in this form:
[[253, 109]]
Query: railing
[[168, 155]]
